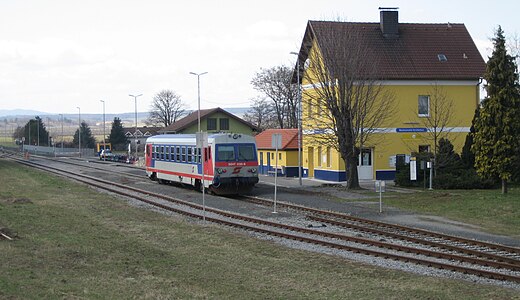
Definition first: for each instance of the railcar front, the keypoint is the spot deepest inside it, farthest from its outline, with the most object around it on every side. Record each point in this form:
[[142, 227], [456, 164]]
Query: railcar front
[[236, 164]]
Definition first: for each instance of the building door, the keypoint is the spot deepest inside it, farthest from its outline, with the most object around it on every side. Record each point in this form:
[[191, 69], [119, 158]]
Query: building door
[[365, 162], [262, 163], [268, 162], [310, 159]]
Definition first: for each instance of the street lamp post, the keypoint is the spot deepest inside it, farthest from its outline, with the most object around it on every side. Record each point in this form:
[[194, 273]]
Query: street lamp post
[[135, 133], [79, 130], [201, 143], [104, 143], [198, 93], [299, 118]]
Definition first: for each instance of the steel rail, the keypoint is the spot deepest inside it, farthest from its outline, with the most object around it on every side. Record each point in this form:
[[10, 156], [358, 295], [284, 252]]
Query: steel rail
[[497, 247]]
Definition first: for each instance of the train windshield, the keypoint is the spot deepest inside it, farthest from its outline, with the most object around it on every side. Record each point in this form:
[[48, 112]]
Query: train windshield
[[226, 153], [246, 152], [240, 152]]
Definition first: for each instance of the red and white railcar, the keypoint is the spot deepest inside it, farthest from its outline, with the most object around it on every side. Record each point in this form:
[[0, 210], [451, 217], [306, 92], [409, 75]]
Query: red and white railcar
[[230, 161]]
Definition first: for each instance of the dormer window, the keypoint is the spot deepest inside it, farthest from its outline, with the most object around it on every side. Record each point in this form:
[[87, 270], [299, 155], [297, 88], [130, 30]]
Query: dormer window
[[442, 57]]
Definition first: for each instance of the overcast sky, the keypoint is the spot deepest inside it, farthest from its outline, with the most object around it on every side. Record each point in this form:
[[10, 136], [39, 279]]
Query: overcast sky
[[57, 55]]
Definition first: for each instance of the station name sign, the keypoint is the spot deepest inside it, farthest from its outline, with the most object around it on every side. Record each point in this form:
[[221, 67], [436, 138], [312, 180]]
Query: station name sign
[[411, 130]]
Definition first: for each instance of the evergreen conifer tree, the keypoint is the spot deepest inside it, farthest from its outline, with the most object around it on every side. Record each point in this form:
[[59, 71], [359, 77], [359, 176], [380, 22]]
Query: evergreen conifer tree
[[117, 135], [32, 132], [87, 140], [467, 156], [447, 160], [497, 130]]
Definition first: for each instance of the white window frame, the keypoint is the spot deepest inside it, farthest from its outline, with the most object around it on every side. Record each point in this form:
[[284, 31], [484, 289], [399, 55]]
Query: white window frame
[[419, 105]]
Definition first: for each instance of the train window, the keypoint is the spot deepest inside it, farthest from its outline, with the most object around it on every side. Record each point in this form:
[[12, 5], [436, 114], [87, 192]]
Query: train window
[[198, 155], [168, 153], [246, 152], [178, 153], [162, 152], [226, 153], [190, 153], [183, 149]]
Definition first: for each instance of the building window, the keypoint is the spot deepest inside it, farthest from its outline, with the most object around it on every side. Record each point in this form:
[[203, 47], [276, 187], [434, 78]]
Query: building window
[[424, 148], [320, 158], [279, 156], [365, 157], [224, 124], [424, 106], [328, 157], [212, 124], [272, 155]]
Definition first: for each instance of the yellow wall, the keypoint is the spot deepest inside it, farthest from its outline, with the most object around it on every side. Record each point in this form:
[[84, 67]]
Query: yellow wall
[[285, 157], [465, 98]]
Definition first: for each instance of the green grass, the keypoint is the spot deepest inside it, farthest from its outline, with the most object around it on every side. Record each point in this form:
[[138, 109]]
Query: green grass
[[489, 209], [72, 242]]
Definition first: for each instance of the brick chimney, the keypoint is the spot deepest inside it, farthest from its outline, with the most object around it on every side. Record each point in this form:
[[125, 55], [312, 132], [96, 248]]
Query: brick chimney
[[389, 22]]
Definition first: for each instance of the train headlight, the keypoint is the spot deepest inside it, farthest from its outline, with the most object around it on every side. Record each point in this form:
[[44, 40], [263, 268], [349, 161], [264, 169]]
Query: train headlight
[[253, 170], [219, 170]]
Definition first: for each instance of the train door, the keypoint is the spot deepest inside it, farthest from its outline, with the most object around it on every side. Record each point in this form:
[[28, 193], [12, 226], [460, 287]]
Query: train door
[[149, 155], [208, 161]]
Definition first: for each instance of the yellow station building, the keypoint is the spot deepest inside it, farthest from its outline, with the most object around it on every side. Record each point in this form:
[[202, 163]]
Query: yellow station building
[[417, 64]]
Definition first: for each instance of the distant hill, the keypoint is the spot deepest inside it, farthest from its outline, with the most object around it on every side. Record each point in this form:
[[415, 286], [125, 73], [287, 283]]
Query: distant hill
[[21, 112], [126, 116]]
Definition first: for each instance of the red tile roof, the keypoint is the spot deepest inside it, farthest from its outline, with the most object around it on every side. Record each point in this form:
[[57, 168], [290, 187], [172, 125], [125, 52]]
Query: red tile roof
[[289, 139], [413, 55]]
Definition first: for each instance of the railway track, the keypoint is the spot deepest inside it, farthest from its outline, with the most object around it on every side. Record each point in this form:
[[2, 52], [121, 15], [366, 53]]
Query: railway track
[[499, 269], [420, 236]]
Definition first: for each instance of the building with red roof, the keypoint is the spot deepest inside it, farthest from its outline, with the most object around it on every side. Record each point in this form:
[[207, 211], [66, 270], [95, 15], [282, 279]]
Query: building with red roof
[[287, 153], [418, 64]]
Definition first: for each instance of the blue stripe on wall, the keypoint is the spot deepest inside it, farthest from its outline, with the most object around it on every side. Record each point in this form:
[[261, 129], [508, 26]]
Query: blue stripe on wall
[[385, 174], [330, 175]]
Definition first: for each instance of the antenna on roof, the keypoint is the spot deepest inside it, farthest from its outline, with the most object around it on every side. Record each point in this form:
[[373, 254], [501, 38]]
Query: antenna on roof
[[388, 8]]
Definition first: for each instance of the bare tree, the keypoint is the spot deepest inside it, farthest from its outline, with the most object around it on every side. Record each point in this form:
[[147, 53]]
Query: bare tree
[[275, 84], [350, 102], [261, 114], [167, 107], [439, 116]]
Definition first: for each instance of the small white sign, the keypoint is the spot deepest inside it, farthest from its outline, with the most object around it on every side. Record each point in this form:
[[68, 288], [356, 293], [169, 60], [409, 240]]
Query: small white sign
[[202, 139], [380, 186], [413, 168], [276, 141]]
